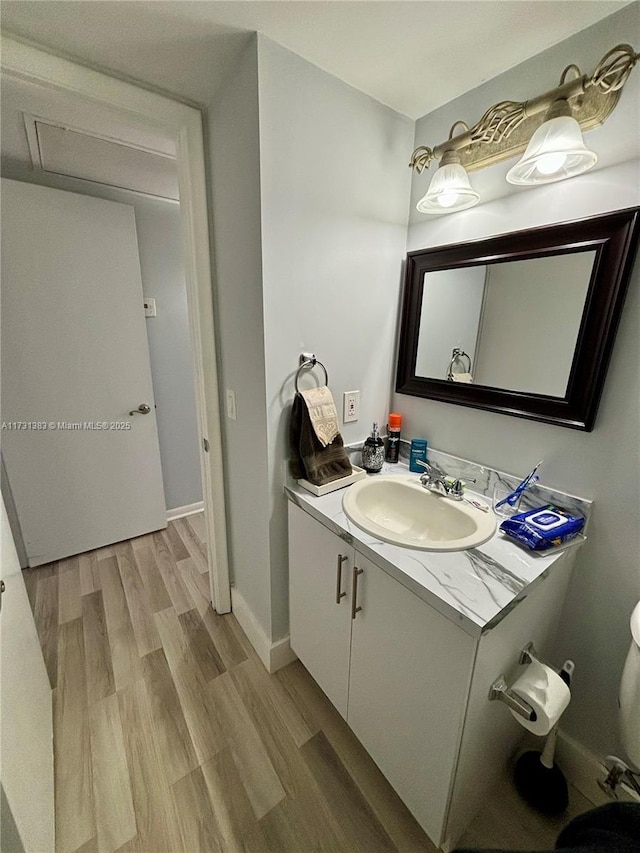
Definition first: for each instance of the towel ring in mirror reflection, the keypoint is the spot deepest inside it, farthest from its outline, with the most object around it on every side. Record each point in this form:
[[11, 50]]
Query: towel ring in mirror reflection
[[309, 365], [455, 355]]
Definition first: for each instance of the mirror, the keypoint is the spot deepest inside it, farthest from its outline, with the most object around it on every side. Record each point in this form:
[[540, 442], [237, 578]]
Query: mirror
[[523, 323], [485, 324]]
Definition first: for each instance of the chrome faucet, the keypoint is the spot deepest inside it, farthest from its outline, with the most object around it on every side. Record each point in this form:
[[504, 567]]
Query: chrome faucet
[[436, 480]]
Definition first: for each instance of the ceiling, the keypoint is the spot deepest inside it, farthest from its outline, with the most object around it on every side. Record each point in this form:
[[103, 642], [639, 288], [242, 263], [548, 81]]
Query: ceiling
[[413, 56]]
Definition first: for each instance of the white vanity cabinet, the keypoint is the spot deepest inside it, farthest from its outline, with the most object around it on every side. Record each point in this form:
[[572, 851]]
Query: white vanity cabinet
[[411, 682], [395, 668]]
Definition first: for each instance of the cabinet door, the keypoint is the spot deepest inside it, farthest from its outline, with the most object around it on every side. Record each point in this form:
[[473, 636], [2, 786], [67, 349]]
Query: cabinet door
[[320, 626], [410, 674]]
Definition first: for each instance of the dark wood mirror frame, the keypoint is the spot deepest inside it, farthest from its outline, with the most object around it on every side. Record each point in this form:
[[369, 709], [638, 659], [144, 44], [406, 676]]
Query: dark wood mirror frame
[[613, 236]]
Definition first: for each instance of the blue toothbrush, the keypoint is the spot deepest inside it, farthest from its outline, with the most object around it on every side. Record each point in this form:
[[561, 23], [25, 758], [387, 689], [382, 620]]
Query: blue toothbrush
[[530, 480]]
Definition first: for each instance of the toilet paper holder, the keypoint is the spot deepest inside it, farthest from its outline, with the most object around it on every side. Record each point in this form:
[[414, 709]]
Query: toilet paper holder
[[500, 689], [528, 655]]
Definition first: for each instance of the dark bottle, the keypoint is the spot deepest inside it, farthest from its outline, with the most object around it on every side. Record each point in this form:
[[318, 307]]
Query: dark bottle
[[393, 439], [373, 452]]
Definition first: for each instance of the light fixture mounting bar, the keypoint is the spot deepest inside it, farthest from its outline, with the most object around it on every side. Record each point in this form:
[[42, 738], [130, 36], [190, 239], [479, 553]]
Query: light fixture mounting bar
[[505, 128]]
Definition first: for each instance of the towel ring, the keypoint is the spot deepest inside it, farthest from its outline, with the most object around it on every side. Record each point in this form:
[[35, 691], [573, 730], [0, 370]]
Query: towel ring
[[455, 355], [309, 365]]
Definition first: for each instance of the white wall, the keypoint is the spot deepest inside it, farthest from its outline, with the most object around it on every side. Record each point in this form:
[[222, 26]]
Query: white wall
[[604, 464], [234, 142], [334, 182], [162, 270], [161, 263], [449, 318], [309, 188], [527, 303]]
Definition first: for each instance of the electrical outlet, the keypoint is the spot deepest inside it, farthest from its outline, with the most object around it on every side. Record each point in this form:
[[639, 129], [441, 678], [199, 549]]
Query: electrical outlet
[[350, 406], [231, 404], [149, 307]]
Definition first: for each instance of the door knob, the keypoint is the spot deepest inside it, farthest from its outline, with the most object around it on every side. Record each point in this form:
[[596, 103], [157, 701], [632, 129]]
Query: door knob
[[143, 409]]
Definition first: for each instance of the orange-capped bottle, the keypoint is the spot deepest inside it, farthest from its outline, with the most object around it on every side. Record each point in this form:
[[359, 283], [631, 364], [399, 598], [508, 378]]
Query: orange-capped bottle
[[393, 441]]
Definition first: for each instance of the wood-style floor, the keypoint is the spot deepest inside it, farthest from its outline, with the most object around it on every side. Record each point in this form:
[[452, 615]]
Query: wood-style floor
[[169, 734]]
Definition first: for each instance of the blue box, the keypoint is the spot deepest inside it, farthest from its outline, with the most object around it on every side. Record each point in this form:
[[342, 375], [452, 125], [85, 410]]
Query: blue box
[[418, 451]]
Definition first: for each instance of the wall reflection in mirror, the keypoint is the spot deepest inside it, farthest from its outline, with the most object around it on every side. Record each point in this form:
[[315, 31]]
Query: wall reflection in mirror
[[511, 325]]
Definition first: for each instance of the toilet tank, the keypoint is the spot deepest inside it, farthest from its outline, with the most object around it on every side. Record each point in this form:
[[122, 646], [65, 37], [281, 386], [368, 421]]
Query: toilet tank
[[630, 695]]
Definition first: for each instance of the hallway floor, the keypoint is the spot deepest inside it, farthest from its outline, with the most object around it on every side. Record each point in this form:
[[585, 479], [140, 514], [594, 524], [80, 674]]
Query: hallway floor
[[171, 736]]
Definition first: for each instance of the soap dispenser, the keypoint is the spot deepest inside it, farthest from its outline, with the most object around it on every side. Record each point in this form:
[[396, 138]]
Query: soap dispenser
[[373, 452]]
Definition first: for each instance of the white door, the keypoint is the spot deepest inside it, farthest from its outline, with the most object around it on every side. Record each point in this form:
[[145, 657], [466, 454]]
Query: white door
[[83, 471], [26, 730], [320, 622]]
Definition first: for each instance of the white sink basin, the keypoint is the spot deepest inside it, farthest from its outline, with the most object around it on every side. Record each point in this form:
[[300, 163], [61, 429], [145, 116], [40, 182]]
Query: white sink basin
[[400, 510]]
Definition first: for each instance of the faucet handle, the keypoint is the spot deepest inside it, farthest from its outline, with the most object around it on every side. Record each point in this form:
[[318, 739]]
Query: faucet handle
[[457, 488]]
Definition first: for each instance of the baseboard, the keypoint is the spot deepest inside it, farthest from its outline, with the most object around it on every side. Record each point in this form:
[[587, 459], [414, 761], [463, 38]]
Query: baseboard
[[182, 511], [281, 654], [583, 769], [274, 655]]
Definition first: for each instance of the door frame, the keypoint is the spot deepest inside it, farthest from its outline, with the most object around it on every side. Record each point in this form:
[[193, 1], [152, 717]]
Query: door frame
[[138, 106]]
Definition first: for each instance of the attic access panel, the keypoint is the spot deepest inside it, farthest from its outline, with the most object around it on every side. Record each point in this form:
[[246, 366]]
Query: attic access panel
[[63, 151]]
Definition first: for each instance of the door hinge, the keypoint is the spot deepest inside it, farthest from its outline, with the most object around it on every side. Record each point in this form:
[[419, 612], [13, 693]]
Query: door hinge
[[205, 444]]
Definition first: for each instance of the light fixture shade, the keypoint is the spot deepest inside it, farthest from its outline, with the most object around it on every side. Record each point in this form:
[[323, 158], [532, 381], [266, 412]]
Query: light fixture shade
[[448, 191], [555, 151]]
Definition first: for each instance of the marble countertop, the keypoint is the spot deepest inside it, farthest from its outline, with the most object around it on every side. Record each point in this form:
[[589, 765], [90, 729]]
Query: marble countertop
[[475, 588]]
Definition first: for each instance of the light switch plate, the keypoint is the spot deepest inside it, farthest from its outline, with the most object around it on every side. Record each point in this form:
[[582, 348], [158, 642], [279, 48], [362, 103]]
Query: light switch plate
[[231, 404], [149, 306]]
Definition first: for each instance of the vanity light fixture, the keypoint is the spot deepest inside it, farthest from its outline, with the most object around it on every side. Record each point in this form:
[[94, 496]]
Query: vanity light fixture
[[548, 126], [449, 189], [555, 151]]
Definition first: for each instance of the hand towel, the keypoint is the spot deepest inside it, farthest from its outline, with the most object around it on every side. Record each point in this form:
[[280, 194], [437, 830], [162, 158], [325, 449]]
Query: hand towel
[[309, 459], [322, 412], [461, 377]]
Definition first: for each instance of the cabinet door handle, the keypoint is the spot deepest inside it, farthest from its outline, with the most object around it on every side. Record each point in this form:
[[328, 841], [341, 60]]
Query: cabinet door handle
[[340, 594], [354, 592]]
